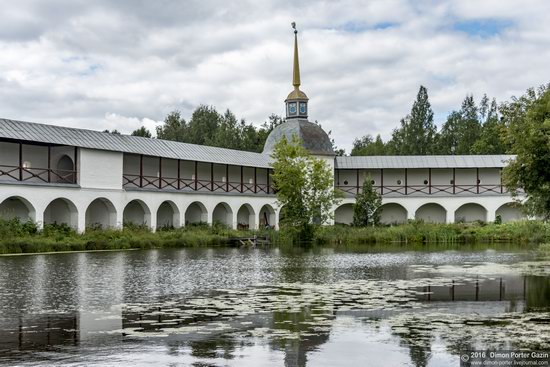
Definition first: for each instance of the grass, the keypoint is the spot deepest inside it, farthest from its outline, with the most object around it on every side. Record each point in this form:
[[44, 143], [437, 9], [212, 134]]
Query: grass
[[527, 232], [17, 237]]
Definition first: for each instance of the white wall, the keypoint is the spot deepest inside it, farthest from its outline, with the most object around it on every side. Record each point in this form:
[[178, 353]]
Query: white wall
[[344, 214], [100, 169]]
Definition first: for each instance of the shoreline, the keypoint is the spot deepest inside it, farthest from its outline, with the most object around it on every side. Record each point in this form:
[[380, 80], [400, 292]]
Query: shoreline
[[20, 239]]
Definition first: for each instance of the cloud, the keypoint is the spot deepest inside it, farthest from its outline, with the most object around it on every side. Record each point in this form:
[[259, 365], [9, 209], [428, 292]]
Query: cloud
[[122, 64]]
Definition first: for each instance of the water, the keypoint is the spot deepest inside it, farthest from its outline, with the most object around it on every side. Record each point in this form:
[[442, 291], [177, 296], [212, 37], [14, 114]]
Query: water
[[270, 307]]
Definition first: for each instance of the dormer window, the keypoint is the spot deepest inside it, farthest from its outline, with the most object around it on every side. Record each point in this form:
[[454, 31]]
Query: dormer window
[[303, 108], [292, 109]]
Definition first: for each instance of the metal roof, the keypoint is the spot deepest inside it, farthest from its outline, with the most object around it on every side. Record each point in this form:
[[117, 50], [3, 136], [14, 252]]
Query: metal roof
[[423, 161], [51, 134]]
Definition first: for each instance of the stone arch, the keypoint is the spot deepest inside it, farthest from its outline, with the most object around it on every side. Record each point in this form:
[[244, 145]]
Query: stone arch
[[509, 212], [17, 207], [168, 215], [61, 211], [136, 212], [101, 213], [471, 212], [65, 169], [196, 213], [344, 214], [246, 218], [393, 213], [431, 213], [223, 214], [266, 216]]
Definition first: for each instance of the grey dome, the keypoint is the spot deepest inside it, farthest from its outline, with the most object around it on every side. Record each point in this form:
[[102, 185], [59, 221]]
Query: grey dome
[[313, 137]]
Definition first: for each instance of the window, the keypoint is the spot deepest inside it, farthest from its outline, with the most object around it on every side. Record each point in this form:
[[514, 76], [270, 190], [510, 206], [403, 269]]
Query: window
[[399, 182], [345, 182], [425, 182]]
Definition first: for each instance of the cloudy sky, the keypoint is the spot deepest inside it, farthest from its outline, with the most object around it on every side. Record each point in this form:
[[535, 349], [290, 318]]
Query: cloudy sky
[[121, 64]]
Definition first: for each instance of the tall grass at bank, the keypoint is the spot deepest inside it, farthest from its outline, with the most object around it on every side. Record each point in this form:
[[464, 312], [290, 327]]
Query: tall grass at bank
[[533, 232], [17, 237]]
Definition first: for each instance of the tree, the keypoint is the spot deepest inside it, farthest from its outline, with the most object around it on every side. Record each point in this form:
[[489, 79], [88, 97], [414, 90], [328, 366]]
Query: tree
[[529, 132], [368, 146], [174, 128], [114, 131], [417, 133], [304, 186], [469, 128], [142, 131], [491, 139], [366, 210]]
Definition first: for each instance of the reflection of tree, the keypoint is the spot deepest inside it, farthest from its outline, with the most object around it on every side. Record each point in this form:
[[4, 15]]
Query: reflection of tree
[[210, 348], [418, 340], [537, 293], [296, 349]]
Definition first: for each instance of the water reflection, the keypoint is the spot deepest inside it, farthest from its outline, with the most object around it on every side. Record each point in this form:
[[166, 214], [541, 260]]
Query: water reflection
[[176, 300]]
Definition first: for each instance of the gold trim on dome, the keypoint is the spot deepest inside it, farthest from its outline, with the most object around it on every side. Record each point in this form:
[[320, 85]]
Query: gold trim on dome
[[297, 94]]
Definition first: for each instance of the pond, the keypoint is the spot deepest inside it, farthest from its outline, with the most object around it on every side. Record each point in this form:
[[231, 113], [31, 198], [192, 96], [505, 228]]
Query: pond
[[271, 307]]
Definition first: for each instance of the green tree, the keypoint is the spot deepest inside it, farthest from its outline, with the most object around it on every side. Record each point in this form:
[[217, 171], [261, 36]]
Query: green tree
[[529, 134], [417, 133], [142, 131], [491, 139], [448, 139], [366, 210], [304, 186], [174, 128], [368, 146], [469, 128]]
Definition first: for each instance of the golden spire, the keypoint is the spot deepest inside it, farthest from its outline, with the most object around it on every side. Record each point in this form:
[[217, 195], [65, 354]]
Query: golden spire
[[296, 69], [296, 93]]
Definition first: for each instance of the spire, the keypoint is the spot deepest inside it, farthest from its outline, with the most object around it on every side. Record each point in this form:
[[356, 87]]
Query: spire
[[296, 69], [296, 102]]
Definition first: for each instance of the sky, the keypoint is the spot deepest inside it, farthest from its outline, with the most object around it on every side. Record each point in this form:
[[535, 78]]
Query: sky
[[122, 64]]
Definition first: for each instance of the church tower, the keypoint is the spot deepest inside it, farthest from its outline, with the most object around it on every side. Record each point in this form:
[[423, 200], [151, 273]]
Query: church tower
[[296, 102]]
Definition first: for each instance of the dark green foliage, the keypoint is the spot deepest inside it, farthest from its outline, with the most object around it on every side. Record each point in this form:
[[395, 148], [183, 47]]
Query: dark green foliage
[[208, 127], [369, 146], [142, 131], [367, 204], [417, 132], [529, 135]]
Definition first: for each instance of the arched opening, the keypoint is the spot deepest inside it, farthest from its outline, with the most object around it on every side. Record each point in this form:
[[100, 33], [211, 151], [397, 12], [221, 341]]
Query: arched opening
[[267, 216], [246, 219], [431, 213], [100, 213], [65, 170], [509, 212], [61, 211], [393, 213], [16, 207], [223, 214], [344, 214], [470, 212], [136, 213], [196, 213], [168, 215]]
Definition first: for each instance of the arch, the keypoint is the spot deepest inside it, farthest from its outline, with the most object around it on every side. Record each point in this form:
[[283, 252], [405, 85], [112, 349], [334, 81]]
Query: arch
[[470, 212], [168, 215], [344, 214], [100, 213], [136, 212], [16, 207], [223, 214], [267, 217], [393, 213], [196, 213], [509, 212], [246, 218], [61, 211], [65, 169], [431, 213]]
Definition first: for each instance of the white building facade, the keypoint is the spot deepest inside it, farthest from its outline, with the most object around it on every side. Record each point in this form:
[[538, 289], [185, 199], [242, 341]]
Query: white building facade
[[84, 178]]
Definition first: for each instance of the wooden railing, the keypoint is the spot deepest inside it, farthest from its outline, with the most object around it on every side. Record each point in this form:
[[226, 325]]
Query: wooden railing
[[172, 183], [429, 189], [46, 175]]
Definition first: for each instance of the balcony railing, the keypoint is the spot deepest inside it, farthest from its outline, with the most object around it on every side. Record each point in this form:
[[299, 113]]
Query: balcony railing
[[429, 189], [42, 175], [187, 184]]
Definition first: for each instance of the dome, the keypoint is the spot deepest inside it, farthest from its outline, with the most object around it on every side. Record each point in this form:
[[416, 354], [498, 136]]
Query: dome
[[297, 94], [314, 138]]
